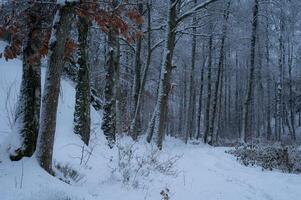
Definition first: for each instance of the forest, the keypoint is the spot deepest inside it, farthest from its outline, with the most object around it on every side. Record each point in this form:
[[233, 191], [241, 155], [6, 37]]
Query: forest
[[150, 99]]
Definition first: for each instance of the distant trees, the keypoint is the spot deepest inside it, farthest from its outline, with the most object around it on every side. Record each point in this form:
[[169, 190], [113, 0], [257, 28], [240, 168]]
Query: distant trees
[[157, 123]]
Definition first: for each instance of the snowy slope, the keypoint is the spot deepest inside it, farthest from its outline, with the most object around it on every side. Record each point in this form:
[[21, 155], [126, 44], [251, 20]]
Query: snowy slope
[[203, 172]]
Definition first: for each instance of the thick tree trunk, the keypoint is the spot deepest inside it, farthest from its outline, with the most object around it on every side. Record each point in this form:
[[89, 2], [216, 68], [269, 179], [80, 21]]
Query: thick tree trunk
[[28, 110], [82, 120], [27, 116], [52, 86]]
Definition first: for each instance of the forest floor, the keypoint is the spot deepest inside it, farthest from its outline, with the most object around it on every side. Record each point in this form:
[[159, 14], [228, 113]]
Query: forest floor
[[200, 172]]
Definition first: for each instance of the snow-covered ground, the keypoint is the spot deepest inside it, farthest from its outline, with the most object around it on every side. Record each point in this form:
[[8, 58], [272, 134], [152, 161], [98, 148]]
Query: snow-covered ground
[[203, 172]]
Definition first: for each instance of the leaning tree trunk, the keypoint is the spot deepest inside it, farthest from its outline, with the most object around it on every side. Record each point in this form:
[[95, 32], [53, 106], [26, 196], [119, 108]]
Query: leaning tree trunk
[[59, 37], [82, 120], [28, 110], [246, 132], [160, 112]]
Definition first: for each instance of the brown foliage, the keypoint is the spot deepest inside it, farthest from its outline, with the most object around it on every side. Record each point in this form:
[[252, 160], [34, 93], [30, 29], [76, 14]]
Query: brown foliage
[[19, 26]]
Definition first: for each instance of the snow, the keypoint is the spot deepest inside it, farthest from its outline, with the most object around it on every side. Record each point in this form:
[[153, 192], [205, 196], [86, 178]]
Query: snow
[[204, 172]]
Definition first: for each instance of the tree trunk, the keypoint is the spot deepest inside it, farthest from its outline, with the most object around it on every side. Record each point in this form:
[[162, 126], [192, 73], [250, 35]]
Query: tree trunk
[[28, 110], [109, 109], [201, 96], [291, 97], [220, 65], [60, 33], [247, 132], [137, 83], [207, 137], [278, 120], [160, 111], [191, 103], [269, 81], [82, 120]]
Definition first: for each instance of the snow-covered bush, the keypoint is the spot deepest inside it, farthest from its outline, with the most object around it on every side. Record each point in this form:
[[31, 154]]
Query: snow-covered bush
[[284, 158], [133, 166], [67, 174]]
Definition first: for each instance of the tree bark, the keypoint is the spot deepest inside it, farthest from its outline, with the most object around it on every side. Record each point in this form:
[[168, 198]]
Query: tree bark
[[279, 111], [220, 66], [201, 96], [160, 111], [191, 104], [82, 120], [28, 110], [247, 132], [137, 83], [52, 86], [291, 97], [109, 114], [207, 137]]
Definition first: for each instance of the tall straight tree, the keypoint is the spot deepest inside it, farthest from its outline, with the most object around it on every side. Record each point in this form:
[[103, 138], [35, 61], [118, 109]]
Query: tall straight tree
[[199, 115], [246, 131], [135, 119], [157, 122], [82, 120], [191, 112], [137, 80], [60, 33], [112, 65], [279, 104], [208, 138], [219, 69]]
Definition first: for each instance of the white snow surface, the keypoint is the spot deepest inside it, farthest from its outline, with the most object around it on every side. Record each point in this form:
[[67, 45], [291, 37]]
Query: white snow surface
[[204, 172]]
